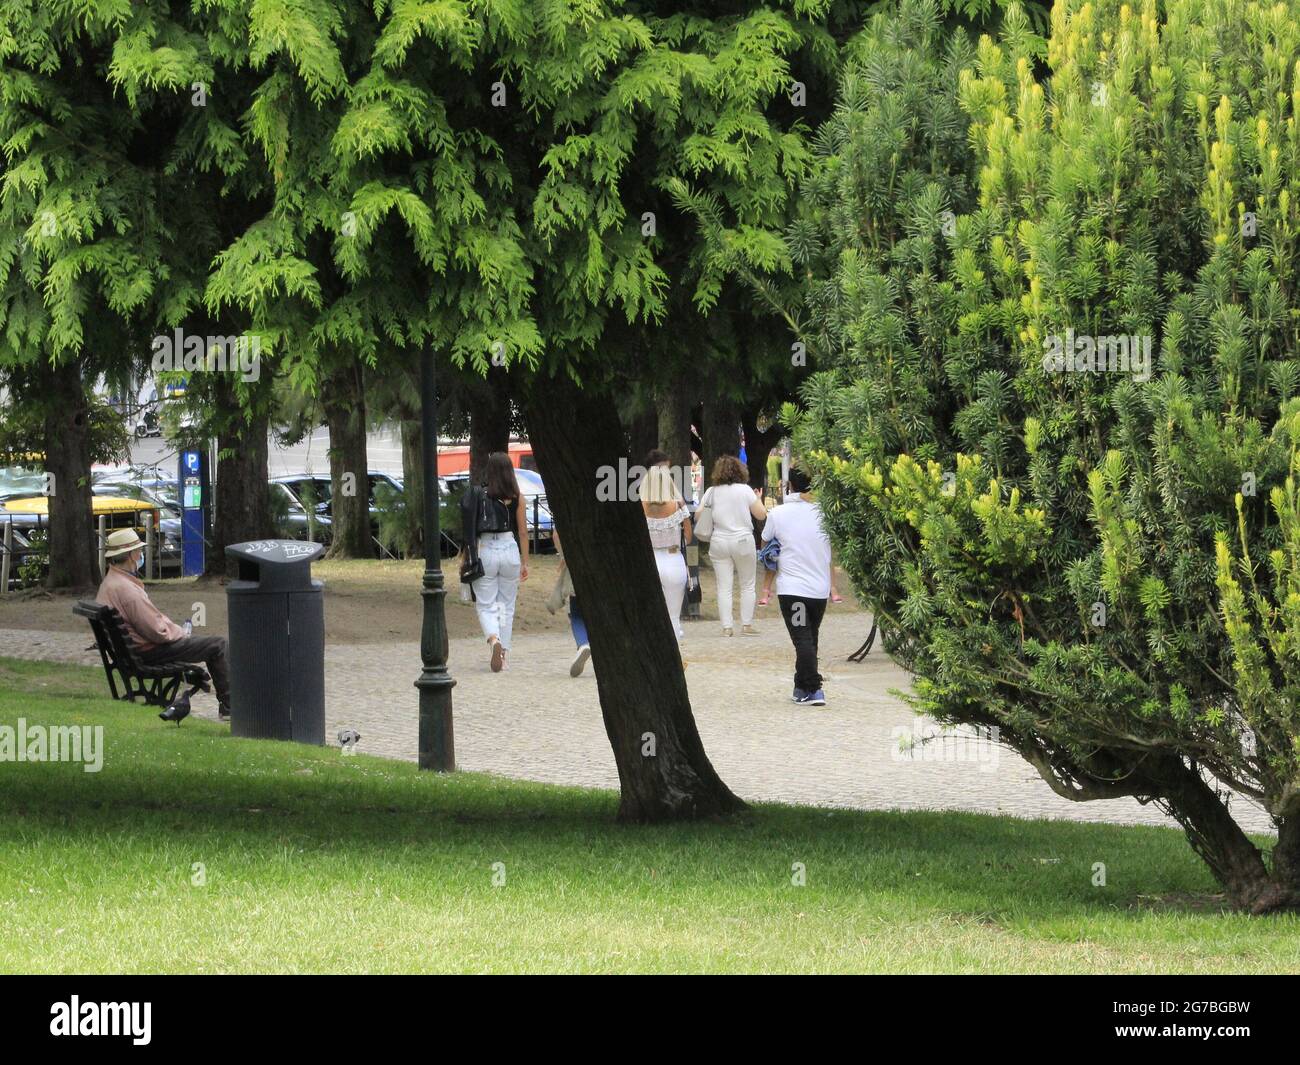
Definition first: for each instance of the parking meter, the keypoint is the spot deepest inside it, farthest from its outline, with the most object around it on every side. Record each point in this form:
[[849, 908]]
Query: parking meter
[[194, 499]]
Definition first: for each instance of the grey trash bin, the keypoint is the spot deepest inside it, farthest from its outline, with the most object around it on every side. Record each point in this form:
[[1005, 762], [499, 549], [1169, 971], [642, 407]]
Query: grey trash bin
[[277, 642]]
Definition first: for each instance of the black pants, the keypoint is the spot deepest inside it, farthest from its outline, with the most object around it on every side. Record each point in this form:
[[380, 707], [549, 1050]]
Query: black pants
[[210, 650], [808, 613]]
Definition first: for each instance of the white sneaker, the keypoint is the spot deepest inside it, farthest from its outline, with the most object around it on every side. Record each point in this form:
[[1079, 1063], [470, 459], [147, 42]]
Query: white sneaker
[[580, 660]]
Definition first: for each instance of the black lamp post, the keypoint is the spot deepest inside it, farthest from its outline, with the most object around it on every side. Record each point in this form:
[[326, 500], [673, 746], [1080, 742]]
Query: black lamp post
[[437, 746]]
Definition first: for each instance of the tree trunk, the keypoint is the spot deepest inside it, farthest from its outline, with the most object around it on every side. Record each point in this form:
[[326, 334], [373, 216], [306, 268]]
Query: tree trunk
[[674, 425], [721, 430], [243, 506], [1179, 789], [74, 553], [1285, 872], [663, 771], [642, 434], [489, 422], [344, 399], [757, 446], [1220, 842], [413, 485]]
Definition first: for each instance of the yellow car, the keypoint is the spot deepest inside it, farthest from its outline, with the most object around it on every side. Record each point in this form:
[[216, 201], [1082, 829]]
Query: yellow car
[[118, 513]]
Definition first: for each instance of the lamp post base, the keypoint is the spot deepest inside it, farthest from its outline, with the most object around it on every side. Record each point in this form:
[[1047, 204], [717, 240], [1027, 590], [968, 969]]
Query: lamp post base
[[437, 748]]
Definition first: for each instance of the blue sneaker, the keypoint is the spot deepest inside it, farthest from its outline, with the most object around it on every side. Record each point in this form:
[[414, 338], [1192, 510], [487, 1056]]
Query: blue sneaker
[[817, 698], [799, 695]]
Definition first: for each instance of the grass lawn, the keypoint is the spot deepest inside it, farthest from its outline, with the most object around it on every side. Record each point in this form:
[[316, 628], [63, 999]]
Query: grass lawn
[[315, 861]]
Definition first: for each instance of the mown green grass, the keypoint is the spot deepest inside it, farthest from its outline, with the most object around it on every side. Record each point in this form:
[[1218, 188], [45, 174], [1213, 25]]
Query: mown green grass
[[316, 861]]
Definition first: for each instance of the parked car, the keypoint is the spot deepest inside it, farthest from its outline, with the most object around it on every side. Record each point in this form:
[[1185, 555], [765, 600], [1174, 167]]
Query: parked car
[[30, 514], [169, 521], [301, 491], [392, 491], [320, 488], [21, 480], [122, 503], [161, 483], [296, 520]]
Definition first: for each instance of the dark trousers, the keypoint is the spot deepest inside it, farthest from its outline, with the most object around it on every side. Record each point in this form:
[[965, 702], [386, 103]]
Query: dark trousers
[[210, 650], [809, 614]]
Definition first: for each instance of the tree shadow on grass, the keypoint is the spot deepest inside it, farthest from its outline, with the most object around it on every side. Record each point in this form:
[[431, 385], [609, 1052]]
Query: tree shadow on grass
[[196, 785], [197, 788]]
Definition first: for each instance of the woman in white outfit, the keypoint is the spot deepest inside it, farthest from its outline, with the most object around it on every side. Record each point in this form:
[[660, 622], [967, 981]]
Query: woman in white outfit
[[734, 507], [496, 518], [667, 518]]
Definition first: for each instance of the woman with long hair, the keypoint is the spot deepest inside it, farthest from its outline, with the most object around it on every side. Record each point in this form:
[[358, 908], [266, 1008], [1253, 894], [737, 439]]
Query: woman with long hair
[[496, 520], [668, 521], [734, 507]]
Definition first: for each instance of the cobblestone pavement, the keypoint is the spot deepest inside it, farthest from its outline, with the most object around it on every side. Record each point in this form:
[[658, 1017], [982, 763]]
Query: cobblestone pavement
[[535, 722]]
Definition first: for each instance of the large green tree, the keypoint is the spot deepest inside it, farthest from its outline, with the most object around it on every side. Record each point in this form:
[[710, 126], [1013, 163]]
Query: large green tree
[[505, 171], [127, 131], [87, 253], [1099, 561]]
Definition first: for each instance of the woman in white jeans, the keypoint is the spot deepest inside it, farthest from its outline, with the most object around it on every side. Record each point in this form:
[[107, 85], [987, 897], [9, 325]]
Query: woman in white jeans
[[734, 505], [667, 517], [496, 518]]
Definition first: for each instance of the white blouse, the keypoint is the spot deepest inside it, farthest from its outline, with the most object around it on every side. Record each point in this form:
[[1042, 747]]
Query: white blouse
[[731, 516], [665, 532]]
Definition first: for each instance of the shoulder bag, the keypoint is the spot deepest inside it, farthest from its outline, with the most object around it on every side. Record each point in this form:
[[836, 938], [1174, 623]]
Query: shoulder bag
[[702, 526]]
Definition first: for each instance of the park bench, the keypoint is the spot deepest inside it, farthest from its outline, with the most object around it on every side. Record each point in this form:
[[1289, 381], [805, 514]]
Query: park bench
[[157, 684]]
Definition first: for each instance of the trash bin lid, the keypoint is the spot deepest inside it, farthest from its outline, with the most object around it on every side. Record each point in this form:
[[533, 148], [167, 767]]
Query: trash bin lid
[[279, 564]]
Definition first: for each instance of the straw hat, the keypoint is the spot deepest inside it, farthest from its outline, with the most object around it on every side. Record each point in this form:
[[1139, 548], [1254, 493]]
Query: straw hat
[[121, 542]]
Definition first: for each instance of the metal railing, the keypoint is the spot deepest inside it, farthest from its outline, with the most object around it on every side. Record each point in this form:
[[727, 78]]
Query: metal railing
[[12, 557], [534, 528]]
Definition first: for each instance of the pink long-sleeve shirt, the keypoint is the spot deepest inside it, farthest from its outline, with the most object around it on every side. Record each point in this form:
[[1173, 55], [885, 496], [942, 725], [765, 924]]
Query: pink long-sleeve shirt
[[147, 625]]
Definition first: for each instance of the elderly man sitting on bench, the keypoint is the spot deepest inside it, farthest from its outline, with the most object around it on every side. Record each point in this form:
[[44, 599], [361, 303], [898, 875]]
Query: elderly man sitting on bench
[[158, 640]]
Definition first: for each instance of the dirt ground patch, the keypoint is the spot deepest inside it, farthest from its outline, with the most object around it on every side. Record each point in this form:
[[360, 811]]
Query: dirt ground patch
[[365, 602]]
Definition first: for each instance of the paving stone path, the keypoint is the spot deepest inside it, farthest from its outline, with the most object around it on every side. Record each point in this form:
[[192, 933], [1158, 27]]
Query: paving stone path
[[535, 722]]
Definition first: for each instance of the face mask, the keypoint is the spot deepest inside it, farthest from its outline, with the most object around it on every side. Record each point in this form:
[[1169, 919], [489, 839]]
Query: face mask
[[139, 564]]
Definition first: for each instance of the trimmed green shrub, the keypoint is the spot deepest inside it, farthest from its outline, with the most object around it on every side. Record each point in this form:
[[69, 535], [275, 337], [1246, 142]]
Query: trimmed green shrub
[[1052, 292]]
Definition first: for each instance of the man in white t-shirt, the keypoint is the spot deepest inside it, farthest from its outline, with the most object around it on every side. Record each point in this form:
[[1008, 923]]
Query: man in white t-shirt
[[803, 580]]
